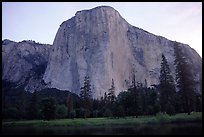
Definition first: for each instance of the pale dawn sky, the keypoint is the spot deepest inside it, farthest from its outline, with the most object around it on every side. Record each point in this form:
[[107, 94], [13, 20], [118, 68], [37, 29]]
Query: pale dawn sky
[[39, 21]]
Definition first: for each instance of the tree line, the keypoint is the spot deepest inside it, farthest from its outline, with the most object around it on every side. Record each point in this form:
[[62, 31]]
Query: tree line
[[137, 100]]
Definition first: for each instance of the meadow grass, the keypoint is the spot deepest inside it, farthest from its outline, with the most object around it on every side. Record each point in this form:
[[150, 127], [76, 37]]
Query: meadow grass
[[81, 122]]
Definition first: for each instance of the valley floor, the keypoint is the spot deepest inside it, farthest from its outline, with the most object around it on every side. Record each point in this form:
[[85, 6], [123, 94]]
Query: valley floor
[[160, 124]]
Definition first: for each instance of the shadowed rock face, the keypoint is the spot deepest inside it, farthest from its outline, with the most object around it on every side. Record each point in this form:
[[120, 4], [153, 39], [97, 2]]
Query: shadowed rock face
[[24, 63], [98, 43]]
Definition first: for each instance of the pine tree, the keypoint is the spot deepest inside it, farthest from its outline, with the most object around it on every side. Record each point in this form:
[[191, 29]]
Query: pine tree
[[48, 108], [145, 84], [33, 107], [105, 100], [69, 103], [111, 93], [86, 96], [111, 98], [135, 95], [167, 88], [21, 104], [185, 81]]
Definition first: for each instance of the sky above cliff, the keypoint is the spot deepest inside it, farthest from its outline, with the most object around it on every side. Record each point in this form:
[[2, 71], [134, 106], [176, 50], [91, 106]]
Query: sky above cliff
[[180, 21]]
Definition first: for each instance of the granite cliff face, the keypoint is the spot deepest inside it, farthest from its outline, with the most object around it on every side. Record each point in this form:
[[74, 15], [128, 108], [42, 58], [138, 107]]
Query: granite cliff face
[[101, 44], [98, 43], [25, 63]]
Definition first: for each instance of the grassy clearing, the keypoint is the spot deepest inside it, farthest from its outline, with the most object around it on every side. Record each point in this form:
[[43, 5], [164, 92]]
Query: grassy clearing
[[78, 122]]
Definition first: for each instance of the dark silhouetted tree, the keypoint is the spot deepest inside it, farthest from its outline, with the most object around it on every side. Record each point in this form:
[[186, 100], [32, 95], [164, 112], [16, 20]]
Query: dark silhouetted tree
[[48, 108], [133, 89], [105, 99], [33, 110], [86, 96], [185, 81], [111, 98], [111, 93], [124, 100], [69, 103], [61, 111], [167, 88]]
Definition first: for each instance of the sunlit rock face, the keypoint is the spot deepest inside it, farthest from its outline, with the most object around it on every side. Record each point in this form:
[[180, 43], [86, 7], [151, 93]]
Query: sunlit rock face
[[101, 44], [25, 63]]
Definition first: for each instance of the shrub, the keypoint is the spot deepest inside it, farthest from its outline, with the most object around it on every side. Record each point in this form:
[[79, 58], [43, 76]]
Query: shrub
[[162, 117], [119, 112], [48, 108], [61, 111], [107, 113], [87, 113], [95, 113], [11, 113], [72, 114]]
